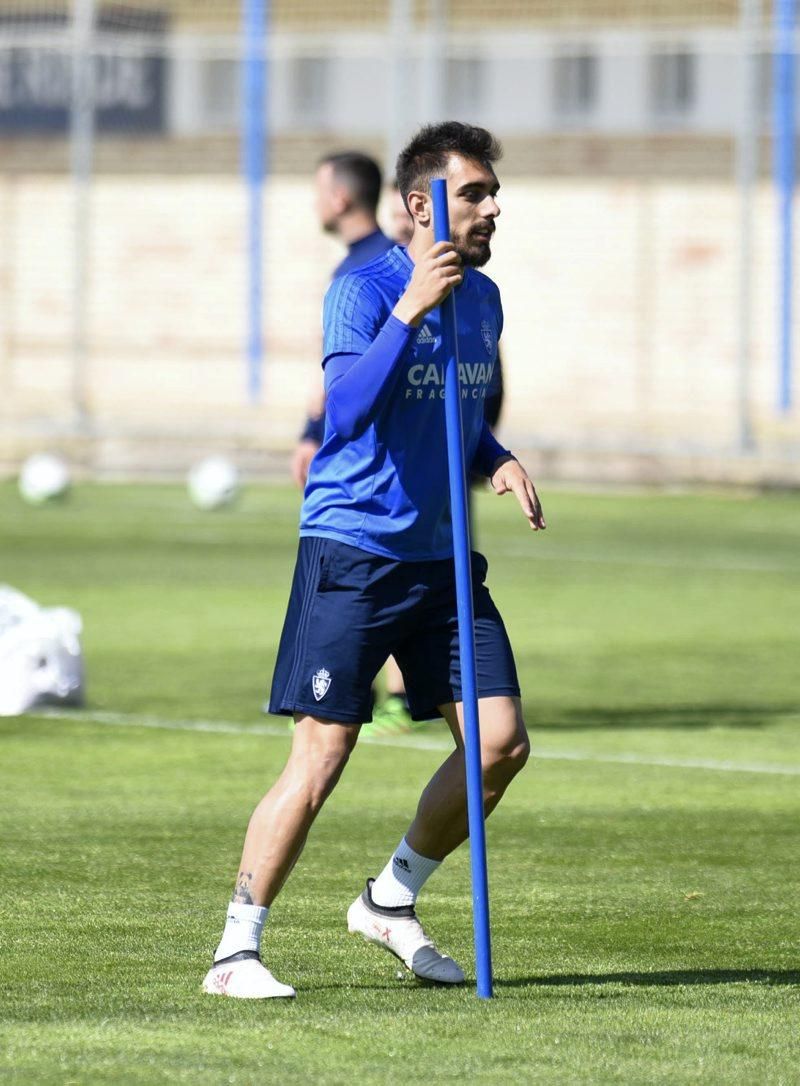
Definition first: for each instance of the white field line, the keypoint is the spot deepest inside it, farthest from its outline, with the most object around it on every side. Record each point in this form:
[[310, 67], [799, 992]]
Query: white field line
[[603, 557], [417, 742]]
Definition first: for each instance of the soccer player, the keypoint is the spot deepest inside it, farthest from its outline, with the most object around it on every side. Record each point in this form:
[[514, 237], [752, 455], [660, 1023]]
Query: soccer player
[[402, 225], [402, 229], [374, 571], [347, 190]]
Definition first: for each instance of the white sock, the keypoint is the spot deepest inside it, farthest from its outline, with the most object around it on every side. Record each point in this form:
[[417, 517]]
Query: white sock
[[403, 877], [243, 927]]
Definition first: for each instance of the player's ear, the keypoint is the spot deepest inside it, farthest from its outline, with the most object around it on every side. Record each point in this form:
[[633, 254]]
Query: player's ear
[[341, 199], [420, 208]]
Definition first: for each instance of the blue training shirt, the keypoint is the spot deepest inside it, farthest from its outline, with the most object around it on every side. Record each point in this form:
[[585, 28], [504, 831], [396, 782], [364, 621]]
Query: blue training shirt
[[358, 253], [362, 252], [385, 489]]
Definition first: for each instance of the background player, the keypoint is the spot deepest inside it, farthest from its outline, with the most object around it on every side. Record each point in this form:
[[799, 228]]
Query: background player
[[347, 190], [400, 222]]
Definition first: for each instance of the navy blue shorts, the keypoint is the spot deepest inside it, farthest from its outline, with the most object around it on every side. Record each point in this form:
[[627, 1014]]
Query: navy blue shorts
[[349, 610]]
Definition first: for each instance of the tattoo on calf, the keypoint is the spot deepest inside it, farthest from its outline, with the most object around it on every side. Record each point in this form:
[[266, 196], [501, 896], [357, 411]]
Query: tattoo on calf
[[242, 894]]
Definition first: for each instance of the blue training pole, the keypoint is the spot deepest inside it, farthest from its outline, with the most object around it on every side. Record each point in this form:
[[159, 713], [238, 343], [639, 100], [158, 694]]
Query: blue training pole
[[254, 19], [784, 68], [466, 626]]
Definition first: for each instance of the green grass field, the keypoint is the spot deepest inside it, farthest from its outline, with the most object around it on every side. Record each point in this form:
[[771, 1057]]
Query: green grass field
[[644, 869]]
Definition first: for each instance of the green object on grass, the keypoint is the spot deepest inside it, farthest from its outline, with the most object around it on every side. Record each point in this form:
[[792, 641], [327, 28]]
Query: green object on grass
[[391, 717]]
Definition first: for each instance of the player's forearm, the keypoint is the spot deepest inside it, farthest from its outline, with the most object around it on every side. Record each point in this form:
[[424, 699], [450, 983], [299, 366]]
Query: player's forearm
[[358, 386], [409, 311], [314, 430], [489, 453]]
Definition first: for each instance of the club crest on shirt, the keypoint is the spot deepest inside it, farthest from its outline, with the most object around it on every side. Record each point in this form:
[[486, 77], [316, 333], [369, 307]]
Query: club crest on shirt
[[487, 335], [320, 683]]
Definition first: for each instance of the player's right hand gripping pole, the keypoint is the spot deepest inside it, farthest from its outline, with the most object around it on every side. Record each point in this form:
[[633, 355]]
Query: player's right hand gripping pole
[[466, 627]]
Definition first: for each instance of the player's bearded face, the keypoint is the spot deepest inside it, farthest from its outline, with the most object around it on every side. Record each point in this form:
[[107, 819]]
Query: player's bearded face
[[472, 196], [473, 243]]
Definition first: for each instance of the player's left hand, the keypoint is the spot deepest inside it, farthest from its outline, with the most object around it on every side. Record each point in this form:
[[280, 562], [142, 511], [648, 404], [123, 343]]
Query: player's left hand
[[511, 476], [301, 461]]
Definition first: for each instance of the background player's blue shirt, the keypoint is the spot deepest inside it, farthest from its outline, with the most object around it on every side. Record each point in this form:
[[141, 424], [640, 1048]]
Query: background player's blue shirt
[[362, 252], [386, 490]]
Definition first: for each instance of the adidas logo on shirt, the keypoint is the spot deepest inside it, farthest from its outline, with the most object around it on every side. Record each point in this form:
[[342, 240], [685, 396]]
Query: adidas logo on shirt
[[425, 335]]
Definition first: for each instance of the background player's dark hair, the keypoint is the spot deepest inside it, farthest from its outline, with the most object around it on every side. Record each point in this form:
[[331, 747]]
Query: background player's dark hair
[[360, 174], [425, 157]]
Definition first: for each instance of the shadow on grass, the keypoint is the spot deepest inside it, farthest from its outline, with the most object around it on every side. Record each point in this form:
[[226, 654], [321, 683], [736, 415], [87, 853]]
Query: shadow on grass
[[663, 978], [667, 716]]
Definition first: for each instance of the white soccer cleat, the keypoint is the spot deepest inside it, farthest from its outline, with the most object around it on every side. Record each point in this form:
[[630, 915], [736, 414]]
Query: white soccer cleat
[[400, 932], [245, 979]]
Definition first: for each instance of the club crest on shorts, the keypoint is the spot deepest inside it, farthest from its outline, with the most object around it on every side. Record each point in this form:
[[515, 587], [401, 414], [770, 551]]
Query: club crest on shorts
[[321, 683], [487, 335]]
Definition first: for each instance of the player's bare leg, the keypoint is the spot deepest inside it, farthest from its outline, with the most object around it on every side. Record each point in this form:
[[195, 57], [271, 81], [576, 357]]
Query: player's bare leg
[[384, 913], [440, 824], [280, 823], [275, 837]]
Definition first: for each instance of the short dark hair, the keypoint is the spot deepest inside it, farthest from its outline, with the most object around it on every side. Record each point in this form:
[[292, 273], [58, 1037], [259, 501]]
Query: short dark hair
[[360, 174], [426, 155]]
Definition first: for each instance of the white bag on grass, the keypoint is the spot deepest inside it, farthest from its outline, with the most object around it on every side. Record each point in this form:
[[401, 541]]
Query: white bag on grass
[[40, 654]]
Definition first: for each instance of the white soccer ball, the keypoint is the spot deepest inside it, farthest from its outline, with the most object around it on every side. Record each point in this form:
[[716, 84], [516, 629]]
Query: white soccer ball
[[43, 478], [213, 483]]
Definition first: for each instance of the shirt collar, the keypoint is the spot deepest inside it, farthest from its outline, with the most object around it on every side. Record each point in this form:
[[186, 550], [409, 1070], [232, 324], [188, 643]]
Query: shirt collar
[[364, 241], [401, 255]]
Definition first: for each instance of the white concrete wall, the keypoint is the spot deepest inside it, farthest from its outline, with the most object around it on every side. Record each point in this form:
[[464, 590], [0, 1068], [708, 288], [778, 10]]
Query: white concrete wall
[[620, 301]]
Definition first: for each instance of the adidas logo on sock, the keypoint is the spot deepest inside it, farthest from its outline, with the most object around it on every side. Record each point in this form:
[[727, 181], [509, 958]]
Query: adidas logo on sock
[[401, 863], [425, 335]]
